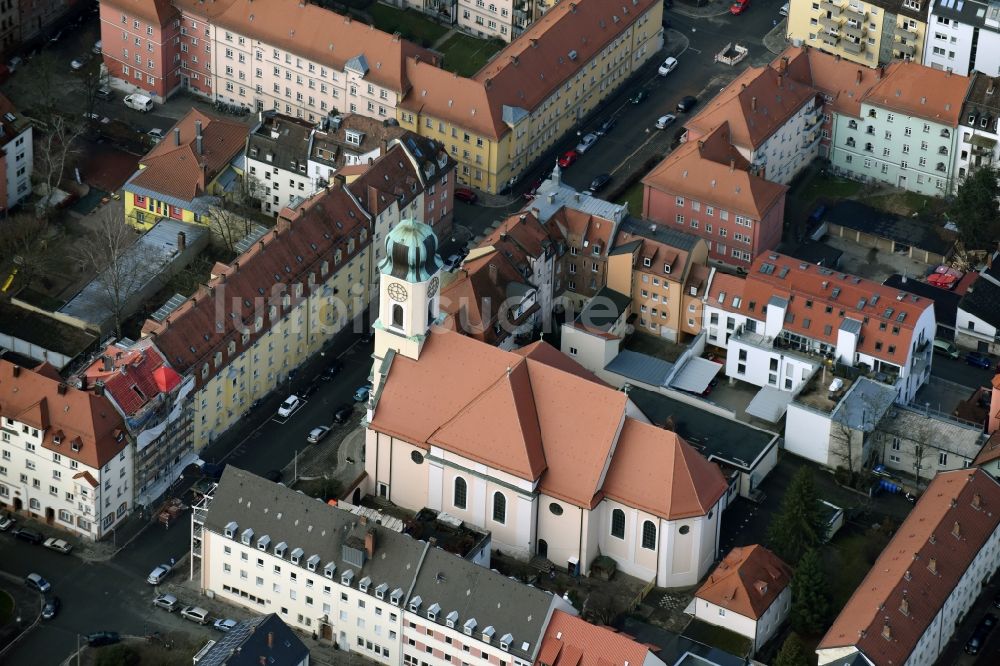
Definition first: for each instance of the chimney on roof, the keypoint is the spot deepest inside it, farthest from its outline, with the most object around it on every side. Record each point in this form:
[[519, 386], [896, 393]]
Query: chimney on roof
[[860, 75], [493, 273], [98, 386], [16, 370], [932, 565], [878, 73], [385, 146], [108, 362], [488, 83], [753, 103], [370, 543], [197, 136], [61, 390], [701, 142], [534, 42], [339, 180], [523, 218], [838, 57], [780, 79], [270, 640], [977, 501], [732, 164], [177, 136], [783, 65], [181, 241]]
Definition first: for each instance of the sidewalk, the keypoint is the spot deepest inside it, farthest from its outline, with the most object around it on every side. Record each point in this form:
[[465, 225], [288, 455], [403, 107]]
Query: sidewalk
[[774, 41], [333, 459], [713, 8], [26, 612]]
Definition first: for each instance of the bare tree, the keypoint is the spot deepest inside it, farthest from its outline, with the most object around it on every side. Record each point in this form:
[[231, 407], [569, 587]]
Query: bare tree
[[121, 270], [24, 240], [228, 224], [88, 84], [848, 437], [54, 149]]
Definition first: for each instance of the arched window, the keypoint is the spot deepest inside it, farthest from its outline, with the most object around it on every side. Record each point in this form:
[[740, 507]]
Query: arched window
[[649, 535], [461, 492], [618, 523], [397, 315], [499, 507]]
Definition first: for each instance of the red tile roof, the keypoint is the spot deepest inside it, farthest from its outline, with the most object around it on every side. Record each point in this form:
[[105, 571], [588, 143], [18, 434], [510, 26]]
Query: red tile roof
[[843, 83], [401, 174], [571, 641], [990, 450], [157, 12], [747, 581], [478, 298], [711, 170], [920, 91], [922, 565], [179, 170], [83, 420], [133, 377]]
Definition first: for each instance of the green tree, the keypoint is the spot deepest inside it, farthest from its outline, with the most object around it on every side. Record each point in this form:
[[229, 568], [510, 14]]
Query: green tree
[[792, 653], [798, 525], [810, 599], [975, 209]]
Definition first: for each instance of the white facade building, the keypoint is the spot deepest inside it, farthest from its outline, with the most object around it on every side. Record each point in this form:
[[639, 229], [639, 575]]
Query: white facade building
[[963, 36], [979, 127], [18, 155], [977, 322]]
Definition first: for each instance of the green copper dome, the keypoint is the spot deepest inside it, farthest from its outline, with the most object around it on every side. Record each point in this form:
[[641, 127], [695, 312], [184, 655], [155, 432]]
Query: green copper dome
[[411, 252]]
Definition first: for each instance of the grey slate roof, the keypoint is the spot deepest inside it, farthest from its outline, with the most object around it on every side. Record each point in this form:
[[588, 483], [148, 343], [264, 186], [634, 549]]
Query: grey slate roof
[[968, 12], [983, 297], [659, 233], [604, 309], [475, 592], [641, 368], [850, 325], [945, 302], [246, 644], [284, 139], [865, 404], [963, 439], [916, 233]]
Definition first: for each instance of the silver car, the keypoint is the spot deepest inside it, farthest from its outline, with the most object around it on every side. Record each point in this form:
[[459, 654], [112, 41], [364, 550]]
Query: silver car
[[157, 575], [167, 602], [195, 614], [587, 142]]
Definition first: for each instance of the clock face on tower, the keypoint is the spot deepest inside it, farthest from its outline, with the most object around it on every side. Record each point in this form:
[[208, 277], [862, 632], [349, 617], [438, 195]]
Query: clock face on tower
[[432, 287], [397, 292]]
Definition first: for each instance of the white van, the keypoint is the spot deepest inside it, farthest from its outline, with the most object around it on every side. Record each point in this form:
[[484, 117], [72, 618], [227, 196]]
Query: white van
[[139, 102]]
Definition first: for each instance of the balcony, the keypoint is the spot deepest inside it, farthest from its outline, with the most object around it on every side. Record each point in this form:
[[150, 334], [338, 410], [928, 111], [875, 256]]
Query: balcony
[[905, 34], [831, 7], [851, 31], [813, 119], [907, 50], [853, 47], [830, 23], [829, 40], [852, 15]]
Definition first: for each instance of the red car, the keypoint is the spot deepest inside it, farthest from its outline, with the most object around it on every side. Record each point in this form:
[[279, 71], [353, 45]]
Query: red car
[[739, 7], [466, 195], [945, 277], [568, 158]]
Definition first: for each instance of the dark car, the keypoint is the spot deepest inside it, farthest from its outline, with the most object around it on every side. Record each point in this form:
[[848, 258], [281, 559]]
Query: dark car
[[332, 370], [608, 125], [466, 195], [600, 181], [343, 413], [978, 360], [639, 97], [687, 103], [31, 536], [99, 638], [981, 633], [50, 607]]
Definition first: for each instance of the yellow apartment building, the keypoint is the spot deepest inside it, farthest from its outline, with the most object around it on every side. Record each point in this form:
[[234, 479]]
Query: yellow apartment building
[[868, 33]]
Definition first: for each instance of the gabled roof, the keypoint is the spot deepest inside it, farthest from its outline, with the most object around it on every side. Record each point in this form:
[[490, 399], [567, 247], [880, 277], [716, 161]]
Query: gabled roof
[[681, 485], [264, 639], [747, 581], [712, 170], [586, 227], [990, 450], [570, 641], [401, 174], [982, 299], [134, 377], [657, 245], [920, 568], [923, 92], [157, 12], [726, 291], [843, 83], [82, 420], [180, 171]]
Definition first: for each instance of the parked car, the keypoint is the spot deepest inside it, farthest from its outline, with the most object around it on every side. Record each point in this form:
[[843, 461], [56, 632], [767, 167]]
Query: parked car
[[196, 614], [600, 181], [343, 413], [290, 404], [167, 602], [14, 63], [533, 190], [332, 370], [945, 277], [99, 638], [105, 93], [452, 262], [945, 348], [978, 360], [155, 135], [465, 195], [738, 7], [587, 142], [31, 536], [568, 158], [6, 522], [362, 393], [708, 389], [225, 626], [35, 581], [157, 575], [669, 65], [317, 434], [50, 607], [608, 125], [982, 632], [639, 97], [687, 103], [58, 545], [663, 122], [79, 63]]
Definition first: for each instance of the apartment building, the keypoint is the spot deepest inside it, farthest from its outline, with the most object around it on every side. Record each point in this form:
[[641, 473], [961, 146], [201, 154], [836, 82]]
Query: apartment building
[[708, 189], [65, 456], [666, 272], [920, 443], [748, 593], [979, 127], [263, 314], [926, 579], [349, 140], [16, 142], [532, 93], [977, 322], [566, 484], [10, 30], [774, 121], [787, 317], [359, 586], [139, 40], [181, 178], [963, 37], [906, 133], [570, 640], [868, 33]]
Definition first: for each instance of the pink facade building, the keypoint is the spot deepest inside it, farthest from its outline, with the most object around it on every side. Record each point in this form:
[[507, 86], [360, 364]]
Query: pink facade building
[[141, 46]]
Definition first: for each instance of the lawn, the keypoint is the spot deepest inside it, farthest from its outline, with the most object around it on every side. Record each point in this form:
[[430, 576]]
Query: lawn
[[466, 55], [827, 187], [412, 25], [633, 197]]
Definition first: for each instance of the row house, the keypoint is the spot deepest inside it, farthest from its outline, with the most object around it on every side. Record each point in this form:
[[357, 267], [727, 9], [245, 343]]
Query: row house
[[906, 132], [708, 189], [926, 579], [361, 587], [774, 121], [963, 36], [497, 123], [150, 397], [267, 311], [978, 127], [182, 177], [867, 32], [666, 272], [563, 461], [18, 161], [65, 455], [786, 318]]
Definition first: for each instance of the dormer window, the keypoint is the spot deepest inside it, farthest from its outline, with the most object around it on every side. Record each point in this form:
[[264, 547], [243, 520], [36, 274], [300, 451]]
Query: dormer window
[[329, 569], [451, 619], [647, 262], [230, 530], [312, 563], [469, 626], [347, 577], [505, 642], [415, 603], [396, 597], [488, 633], [364, 583], [263, 542], [279, 550], [381, 590], [666, 268], [297, 555], [597, 250], [247, 537], [433, 611]]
